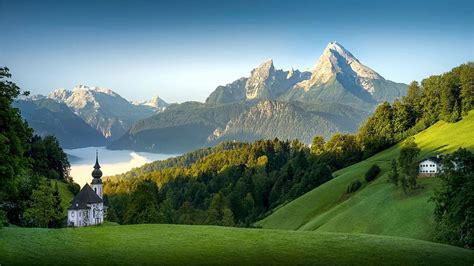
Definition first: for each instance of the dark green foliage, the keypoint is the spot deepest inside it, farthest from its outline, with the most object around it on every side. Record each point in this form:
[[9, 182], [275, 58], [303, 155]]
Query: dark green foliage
[[58, 210], [24, 161], [43, 210], [444, 97], [73, 187], [227, 187], [455, 200], [393, 174], [354, 186], [372, 173], [408, 163], [14, 135], [3, 219], [48, 158], [143, 204]]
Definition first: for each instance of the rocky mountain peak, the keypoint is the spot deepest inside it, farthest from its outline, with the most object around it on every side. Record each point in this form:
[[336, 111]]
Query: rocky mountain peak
[[258, 79], [155, 102], [336, 61]]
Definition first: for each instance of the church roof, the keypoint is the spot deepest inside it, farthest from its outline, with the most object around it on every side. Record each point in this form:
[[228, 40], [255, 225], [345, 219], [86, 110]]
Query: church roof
[[86, 196]]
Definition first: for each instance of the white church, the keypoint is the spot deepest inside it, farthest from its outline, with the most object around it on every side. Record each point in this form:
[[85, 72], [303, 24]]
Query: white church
[[87, 207]]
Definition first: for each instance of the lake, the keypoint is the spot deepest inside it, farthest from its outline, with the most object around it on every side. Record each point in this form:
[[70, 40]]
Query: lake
[[111, 161]]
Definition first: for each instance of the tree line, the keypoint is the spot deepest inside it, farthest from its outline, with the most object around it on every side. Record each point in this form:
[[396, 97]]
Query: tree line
[[28, 163]]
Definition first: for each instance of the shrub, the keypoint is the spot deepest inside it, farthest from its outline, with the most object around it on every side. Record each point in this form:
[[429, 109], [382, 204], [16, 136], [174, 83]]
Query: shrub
[[354, 186], [3, 219], [74, 188], [374, 170]]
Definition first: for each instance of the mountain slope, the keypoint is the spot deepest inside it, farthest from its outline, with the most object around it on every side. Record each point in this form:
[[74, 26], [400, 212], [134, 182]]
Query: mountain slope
[[180, 128], [48, 117], [184, 244], [283, 120], [339, 77], [379, 208], [102, 109]]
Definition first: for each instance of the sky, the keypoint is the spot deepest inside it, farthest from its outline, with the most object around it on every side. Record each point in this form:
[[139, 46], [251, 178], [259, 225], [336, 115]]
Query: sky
[[182, 50]]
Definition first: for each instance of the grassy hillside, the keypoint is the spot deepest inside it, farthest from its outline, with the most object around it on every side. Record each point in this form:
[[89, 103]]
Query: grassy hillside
[[178, 244], [379, 207], [66, 195]]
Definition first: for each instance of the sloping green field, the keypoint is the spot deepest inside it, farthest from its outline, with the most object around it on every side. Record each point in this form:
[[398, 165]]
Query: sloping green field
[[180, 244], [65, 193], [379, 207]]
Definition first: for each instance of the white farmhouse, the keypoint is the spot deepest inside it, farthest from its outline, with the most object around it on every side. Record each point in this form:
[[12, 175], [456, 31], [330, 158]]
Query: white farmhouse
[[430, 166], [87, 207]]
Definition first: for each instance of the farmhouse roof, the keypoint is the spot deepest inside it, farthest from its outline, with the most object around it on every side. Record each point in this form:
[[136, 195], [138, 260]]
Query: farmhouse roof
[[436, 159]]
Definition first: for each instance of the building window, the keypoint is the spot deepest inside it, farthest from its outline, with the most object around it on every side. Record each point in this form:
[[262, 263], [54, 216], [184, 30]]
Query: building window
[[95, 189]]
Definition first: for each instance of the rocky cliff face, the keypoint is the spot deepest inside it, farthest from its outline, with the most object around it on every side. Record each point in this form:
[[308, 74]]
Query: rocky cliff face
[[102, 109], [269, 119], [338, 76], [265, 82]]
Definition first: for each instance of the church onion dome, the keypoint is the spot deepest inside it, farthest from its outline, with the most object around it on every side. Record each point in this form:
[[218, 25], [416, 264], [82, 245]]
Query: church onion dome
[[96, 173]]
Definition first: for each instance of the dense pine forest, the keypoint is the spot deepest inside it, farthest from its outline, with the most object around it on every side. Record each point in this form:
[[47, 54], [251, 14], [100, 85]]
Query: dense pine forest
[[28, 163]]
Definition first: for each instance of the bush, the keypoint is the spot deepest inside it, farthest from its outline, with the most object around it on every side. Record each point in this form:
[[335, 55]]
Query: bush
[[73, 187], [354, 186], [3, 219], [374, 170]]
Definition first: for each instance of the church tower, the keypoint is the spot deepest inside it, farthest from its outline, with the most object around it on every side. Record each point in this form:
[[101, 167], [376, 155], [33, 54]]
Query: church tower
[[97, 174]]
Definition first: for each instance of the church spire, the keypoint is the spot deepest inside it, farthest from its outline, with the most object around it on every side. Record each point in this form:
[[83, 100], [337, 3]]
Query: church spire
[[97, 165], [97, 173]]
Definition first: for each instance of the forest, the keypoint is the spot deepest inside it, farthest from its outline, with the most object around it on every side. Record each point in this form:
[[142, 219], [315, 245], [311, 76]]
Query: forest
[[28, 163]]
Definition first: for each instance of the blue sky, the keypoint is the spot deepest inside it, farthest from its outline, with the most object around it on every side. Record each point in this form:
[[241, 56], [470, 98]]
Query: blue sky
[[182, 50]]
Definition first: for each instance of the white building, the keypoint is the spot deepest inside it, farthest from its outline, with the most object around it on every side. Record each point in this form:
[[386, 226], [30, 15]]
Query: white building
[[87, 207], [430, 166]]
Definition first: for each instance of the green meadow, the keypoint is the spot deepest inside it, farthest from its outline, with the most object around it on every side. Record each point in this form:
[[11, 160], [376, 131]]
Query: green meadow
[[184, 244], [379, 207]]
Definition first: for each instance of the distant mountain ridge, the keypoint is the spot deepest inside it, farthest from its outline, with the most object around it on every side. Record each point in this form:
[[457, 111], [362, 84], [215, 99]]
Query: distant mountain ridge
[[337, 95], [105, 110], [48, 117], [85, 116]]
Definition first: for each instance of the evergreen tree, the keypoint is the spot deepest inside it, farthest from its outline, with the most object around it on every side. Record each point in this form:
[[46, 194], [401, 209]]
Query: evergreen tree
[[41, 211], [407, 161], [393, 174], [143, 207], [227, 217], [57, 208], [467, 87], [454, 200], [317, 146]]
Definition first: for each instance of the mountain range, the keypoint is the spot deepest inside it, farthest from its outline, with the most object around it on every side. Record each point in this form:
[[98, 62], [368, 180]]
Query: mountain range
[[101, 114], [336, 95]]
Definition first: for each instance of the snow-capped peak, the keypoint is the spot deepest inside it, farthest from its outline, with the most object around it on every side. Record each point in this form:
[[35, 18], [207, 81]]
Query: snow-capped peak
[[337, 60]]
